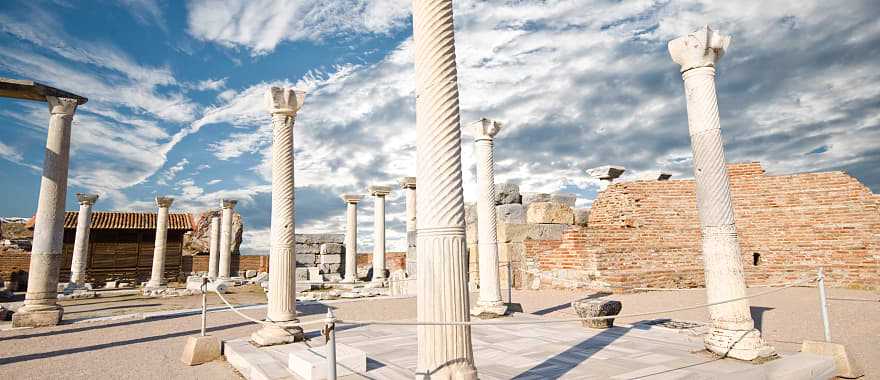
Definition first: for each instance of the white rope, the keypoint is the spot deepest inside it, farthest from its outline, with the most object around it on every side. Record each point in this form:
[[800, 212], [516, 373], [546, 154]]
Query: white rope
[[267, 323]]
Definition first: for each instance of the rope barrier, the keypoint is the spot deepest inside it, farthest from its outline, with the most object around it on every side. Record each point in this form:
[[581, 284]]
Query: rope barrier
[[268, 323]]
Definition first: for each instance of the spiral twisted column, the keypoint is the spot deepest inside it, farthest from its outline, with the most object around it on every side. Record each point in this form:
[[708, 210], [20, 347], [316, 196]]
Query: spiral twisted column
[[40, 302], [214, 249], [224, 262], [283, 105], [733, 331], [157, 276], [445, 352], [81, 240], [489, 304], [351, 201]]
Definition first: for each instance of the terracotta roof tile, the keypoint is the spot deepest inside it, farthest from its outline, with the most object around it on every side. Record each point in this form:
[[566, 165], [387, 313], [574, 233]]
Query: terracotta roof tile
[[106, 220]]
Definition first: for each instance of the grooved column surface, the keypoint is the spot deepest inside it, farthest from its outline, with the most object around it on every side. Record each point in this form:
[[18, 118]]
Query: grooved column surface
[[214, 249], [351, 242], [282, 259], [445, 352], [157, 276], [224, 263], [378, 238], [490, 290], [81, 245]]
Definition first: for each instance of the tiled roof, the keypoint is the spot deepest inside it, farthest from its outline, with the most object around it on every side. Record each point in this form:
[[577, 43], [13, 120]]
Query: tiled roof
[[108, 220]]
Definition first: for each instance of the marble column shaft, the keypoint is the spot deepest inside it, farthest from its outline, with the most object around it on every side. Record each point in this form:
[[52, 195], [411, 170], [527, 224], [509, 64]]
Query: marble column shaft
[[224, 265], [157, 276], [81, 241], [733, 333], [379, 193], [408, 184], [42, 289], [444, 352], [214, 249], [351, 201]]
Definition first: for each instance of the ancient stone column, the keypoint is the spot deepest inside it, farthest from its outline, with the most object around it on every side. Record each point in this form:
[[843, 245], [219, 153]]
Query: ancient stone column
[[445, 352], [157, 276], [81, 241], [733, 332], [40, 303], [379, 193], [225, 261], [283, 104], [489, 304], [351, 240], [408, 184], [214, 249]]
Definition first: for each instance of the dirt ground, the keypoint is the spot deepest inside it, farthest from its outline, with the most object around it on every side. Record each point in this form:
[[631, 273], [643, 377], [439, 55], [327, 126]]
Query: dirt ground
[[136, 348]]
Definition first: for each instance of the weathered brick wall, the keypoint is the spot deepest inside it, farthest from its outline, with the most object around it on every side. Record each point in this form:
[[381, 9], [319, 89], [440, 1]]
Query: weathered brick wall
[[199, 263], [393, 261], [646, 233]]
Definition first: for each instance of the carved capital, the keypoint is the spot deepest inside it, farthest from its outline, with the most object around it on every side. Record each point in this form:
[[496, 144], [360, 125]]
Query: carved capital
[[379, 191], [285, 101], [86, 199], [61, 106], [702, 48], [352, 198], [164, 202], [228, 203], [407, 182], [484, 129]]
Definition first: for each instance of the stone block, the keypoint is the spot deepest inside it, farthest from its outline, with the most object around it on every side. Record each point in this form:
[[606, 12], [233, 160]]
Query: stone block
[[846, 366], [331, 248], [37, 318], [587, 308], [510, 213], [529, 198], [545, 231], [470, 213], [315, 274], [200, 349], [331, 258], [470, 233], [307, 259], [549, 212], [506, 193], [110, 285], [263, 276], [320, 238], [313, 248], [302, 274], [512, 233], [508, 252], [581, 216], [5, 314], [567, 199], [250, 273], [310, 363]]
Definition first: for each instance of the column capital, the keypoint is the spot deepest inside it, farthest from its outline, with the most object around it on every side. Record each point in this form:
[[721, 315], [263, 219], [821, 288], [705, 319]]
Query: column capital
[[484, 129], [61, 106], [86, 199], [407, 182], [352, 198], [164, 201], [286, 101], [607, 173], [702, 48], [228, 203], [379, 191]]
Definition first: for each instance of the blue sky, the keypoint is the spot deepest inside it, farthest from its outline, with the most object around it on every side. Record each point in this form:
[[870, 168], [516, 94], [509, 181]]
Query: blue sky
[[176, 96]]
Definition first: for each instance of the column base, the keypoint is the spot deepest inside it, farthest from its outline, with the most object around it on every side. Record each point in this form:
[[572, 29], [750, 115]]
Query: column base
[[457, 371], [489, 310], [377, 283], [348, 280], [738, 344], [37, 316], [271, 335]]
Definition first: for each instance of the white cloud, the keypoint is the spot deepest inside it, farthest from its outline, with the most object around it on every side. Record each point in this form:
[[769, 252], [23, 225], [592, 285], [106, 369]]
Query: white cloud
[[169, 174]]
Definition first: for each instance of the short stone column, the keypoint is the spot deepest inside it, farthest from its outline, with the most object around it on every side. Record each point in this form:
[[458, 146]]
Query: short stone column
[[351, 240], [283, 104], [157, 276], [379, 193], [408, 184], [489, 304], [214, 249], [225, 261], [41, 301], [81, 241], [733, 332], [445, 352]]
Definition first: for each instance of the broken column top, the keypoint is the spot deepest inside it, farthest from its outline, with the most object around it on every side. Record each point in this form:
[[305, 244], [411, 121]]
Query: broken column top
[[379, 191], [86, 199], [164, 201], [352, 198], [484, 128], [654, 176], [228, 203], [30, 90], [407, 182], [607, 173]]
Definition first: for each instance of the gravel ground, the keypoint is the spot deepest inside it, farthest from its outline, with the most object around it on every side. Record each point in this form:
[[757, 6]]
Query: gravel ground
[[149, 349]]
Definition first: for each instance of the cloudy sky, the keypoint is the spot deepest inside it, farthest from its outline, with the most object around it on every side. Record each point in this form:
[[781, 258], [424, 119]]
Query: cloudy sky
[[176, 96]]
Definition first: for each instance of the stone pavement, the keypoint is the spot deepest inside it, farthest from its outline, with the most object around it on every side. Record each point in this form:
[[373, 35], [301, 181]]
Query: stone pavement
[[545, 351]]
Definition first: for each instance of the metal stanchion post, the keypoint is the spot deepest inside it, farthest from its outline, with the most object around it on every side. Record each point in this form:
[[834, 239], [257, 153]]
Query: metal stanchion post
[[204, 304], [823, 300], [330, 335]]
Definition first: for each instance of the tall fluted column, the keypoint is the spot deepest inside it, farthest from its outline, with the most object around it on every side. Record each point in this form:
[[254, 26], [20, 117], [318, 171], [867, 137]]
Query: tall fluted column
[[214, 249], [379, 193], [40, 303], [81, 241], [351, 240], [283, 104], [445, 352], [733, 331], [225, 261], [157, 276], [489, 304], [408, 184]]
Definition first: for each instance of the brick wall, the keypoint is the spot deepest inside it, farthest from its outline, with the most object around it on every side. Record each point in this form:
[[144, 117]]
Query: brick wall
[[646, 233], [393, 261], [199, 263]]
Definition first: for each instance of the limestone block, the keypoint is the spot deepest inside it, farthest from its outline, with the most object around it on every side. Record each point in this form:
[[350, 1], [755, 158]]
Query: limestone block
[[846, 366], [545, 231], [581, 216], [506, 193], [470, 213], [110, 285], [512, 233], [315, 274], [37, 318], [510, 213], [549, 212], [331, 248], [319, 238], [250, 273], [586, 308], [567, 199], [310, 363], [307, 259], [331, 258], [529, 198], [302, 274], [510, 252], [314, 248], [263, 276], [200, 349]]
